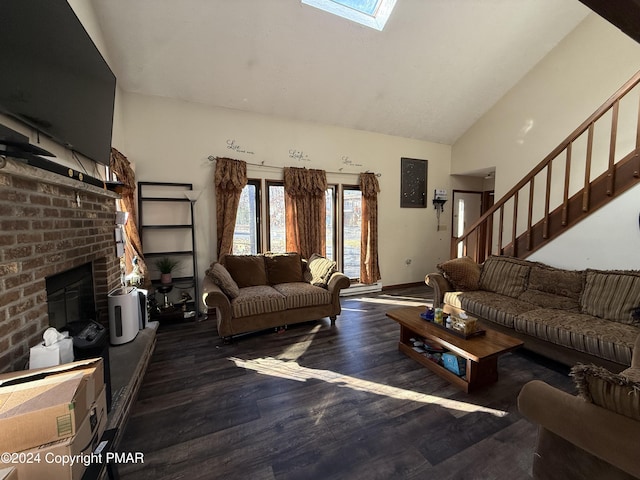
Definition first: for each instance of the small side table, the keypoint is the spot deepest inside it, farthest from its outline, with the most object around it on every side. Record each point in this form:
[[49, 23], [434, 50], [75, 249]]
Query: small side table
[[164, 289]]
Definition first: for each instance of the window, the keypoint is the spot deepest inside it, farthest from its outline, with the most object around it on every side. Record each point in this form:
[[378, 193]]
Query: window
[[246, 236], [345, 215], [277, 220], [370, 13], [351, 228], [330, 200]]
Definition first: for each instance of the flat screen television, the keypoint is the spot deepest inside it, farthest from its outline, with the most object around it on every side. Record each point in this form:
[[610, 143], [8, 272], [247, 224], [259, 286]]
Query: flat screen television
[[53, 78]]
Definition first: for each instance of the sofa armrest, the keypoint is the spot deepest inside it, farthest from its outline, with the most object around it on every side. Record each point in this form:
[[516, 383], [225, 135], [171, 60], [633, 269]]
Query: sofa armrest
[[611, 437], [338, 281], [215, 299], [440, 286], [635, 359]]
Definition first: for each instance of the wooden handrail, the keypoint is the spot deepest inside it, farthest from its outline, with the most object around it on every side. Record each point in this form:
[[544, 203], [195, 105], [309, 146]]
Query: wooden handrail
[[612, 104]]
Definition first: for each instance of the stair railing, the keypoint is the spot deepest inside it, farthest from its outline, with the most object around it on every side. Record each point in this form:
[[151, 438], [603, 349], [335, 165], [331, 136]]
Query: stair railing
[[520, 227]]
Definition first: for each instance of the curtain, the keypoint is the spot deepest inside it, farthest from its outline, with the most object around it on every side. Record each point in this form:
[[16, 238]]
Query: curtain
[[125, 174], [230, 179], [305, 210], [369, 269]]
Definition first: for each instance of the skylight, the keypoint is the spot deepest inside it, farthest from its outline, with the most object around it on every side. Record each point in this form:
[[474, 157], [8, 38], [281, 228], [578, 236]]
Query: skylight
[[370, 13]]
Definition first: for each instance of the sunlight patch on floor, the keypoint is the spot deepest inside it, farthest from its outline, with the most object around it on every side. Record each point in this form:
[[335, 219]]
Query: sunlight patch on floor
[[391, 300], [293, 371], [298, 348]]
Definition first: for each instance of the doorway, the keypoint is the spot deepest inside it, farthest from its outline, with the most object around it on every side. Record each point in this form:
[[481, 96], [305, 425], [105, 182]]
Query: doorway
[[467, 208]]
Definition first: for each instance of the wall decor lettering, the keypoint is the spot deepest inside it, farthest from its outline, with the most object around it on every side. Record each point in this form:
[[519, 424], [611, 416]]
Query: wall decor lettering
[[299, 155], [349, 163], [232, 145]]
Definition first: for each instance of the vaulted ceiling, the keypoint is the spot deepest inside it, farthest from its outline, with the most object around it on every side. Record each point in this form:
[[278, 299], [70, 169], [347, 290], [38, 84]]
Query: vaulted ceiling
[[436, 68]]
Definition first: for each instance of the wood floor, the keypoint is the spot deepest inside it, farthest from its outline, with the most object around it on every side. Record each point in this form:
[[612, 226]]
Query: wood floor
[[322, 402]]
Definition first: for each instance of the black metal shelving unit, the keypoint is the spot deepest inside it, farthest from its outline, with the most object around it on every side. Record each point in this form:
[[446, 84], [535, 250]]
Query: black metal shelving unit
[[170, 199]]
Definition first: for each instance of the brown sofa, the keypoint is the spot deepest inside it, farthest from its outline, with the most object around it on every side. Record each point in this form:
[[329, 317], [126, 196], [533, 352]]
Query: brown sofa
[[570, 316], [249, 293], [593, 435]]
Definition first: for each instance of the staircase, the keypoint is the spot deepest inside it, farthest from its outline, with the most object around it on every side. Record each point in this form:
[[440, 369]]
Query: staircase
[[597, 162]]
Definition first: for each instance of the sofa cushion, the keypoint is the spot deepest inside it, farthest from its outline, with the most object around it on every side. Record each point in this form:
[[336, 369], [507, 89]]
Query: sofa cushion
[[505, 275], [488, 305], [463, 273], [246, 270], [303, 294], [256, 300], [611, 295], [319, 270], [283, 267], [554, 288], [222, 278], [615, 392], [596, 336]]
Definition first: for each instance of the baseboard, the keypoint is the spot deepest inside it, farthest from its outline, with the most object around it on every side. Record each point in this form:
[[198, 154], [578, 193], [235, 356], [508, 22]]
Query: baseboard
[[403, 285], [361, 288]]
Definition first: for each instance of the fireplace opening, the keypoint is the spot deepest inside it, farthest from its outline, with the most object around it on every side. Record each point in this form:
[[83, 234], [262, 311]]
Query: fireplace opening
[[71, 297], [71, 305]]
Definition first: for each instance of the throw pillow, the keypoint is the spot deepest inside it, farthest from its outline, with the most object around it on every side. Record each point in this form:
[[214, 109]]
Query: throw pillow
[[319, 270], [612, 295], [222, 278], [615, 392], [463, 273], [283, 267], [246, 270], [554, 288], [505, 275]]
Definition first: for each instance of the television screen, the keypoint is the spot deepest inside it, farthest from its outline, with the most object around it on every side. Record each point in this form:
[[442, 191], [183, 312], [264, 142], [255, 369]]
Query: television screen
[[53, 77]]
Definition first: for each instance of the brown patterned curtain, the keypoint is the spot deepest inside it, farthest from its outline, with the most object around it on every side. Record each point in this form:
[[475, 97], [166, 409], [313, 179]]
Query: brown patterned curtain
[[230, 179], [369, 269], [125, 174], [304, 201]]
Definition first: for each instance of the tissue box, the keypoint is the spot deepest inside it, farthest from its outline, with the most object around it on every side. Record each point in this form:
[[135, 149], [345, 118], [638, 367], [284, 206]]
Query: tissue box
[[42, 356], [464, 325], [454, 363]]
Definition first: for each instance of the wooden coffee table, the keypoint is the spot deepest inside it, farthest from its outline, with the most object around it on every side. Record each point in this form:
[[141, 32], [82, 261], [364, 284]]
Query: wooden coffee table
[[481, 352]]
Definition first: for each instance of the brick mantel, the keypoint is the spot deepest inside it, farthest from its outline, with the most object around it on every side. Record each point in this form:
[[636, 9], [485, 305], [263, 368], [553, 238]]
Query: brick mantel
[[48, 224]]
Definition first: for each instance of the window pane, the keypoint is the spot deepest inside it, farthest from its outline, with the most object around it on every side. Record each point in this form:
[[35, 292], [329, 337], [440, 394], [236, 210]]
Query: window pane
[[277, 219], [352, 225], [245, 235], [331, 224]]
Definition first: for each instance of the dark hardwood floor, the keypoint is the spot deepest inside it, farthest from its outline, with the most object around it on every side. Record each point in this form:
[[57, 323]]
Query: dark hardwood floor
[[322, 402]]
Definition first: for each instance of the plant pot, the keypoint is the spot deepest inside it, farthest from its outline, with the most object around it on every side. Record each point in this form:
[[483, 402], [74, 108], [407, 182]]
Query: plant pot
[[165, 278]]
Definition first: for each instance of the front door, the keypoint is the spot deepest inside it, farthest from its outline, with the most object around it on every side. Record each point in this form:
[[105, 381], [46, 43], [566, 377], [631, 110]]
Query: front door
[[467, 208]]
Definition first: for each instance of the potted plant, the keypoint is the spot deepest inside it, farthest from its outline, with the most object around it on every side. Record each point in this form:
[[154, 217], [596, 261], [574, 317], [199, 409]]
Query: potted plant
[[166, 265]]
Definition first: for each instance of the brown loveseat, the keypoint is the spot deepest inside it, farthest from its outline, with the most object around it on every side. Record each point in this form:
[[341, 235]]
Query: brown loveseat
[[571, 316], [256, 292], [593, 435]]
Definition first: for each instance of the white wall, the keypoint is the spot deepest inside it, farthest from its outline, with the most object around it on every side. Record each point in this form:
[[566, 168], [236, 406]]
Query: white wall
[[556, 96], [170, 140], [608, 239]]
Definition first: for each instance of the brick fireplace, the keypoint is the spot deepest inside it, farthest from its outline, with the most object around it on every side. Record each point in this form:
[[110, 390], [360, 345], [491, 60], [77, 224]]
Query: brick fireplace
[[48, 224]]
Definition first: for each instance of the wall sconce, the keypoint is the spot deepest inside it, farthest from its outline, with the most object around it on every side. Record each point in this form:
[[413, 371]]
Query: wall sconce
[[439, 199]]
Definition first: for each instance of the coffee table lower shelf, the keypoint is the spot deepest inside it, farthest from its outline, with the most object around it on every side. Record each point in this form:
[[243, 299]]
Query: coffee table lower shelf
[[480, 353]]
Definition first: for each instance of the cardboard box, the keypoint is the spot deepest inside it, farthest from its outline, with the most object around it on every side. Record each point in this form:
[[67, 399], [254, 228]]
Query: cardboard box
[[69, 458], [8, 474], [48, 404]]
